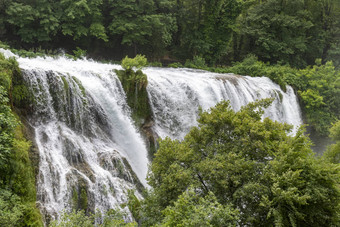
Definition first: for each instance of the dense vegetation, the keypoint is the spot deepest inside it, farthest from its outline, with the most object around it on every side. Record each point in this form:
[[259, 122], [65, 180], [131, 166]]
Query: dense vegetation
[[17, 180], [249, 170], [220, 31]]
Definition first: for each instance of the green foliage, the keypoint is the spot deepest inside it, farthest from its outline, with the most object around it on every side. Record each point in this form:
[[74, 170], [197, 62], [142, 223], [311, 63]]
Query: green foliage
[[32, 23], [282, 75], [111, 218], [155, 64], [175, 65], [82, 18], [17, 180], [294, 32], [335, 131], [15, 212], [319, 94], [196, 63], [79, 53], [193, 210], [138, 23], [205, 28], [114, 218], [7, 126], [134, 82], [332, 153], [134, 205], [247, 163], [73, 219], [136, 63], [83, 199], [11, 208], [8, 69], [291, 32]]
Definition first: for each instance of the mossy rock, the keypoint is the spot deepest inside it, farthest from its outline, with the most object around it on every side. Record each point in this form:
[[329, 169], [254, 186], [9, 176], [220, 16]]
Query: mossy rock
[[134, 85], [80, 197]]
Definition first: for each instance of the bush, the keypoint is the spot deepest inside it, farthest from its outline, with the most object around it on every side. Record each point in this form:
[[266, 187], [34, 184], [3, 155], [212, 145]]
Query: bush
[[197, 63], [136, 63], [155, 64], [79, 53], [175, 65]]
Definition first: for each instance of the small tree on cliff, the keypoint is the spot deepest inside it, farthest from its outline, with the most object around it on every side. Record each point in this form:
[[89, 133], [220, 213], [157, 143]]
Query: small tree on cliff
[[132, 72], [134, 82]]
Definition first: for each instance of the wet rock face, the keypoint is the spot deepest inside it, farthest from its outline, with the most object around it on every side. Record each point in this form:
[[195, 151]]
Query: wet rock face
[[113, 163], [150, 136], [68, 100]]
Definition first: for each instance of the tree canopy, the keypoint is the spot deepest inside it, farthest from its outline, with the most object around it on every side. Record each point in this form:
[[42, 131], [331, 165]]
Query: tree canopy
[[252, 167], [220, 31]]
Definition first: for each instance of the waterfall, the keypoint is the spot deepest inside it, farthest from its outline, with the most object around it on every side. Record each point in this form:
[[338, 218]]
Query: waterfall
[[90, 151], [84, 134], [177, 94]]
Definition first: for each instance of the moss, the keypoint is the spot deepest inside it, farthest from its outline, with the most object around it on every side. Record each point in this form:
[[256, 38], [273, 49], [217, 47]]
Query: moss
[[120, 168], [280, 95], [22, 97], [74, 198], [66, 85], [134, 84], [83, 199], [81, 87], [19, 177], [22, 178], [79, 197]]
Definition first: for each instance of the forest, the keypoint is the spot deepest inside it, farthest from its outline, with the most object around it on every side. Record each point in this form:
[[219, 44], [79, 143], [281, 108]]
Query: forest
[[220, 31], [233, 169]]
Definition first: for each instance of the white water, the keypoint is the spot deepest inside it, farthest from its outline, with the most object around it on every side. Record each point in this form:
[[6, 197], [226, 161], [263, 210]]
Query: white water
[[83, 129], [82, 133], [176, 95]]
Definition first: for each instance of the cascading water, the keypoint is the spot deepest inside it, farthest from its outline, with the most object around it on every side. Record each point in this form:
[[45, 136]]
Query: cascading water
[[87, 140], [176, 95], [84, 133]]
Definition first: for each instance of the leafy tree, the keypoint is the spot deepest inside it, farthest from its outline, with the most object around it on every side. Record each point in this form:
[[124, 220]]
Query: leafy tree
[[319, 93], [33, 21], [252, 164], [137, 62], [78, 218], [289, 31], [277, 30], [205, 28], [82, 18], [137, 24], [11, 208], [73, 219], [193, 210], [332, 153]]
